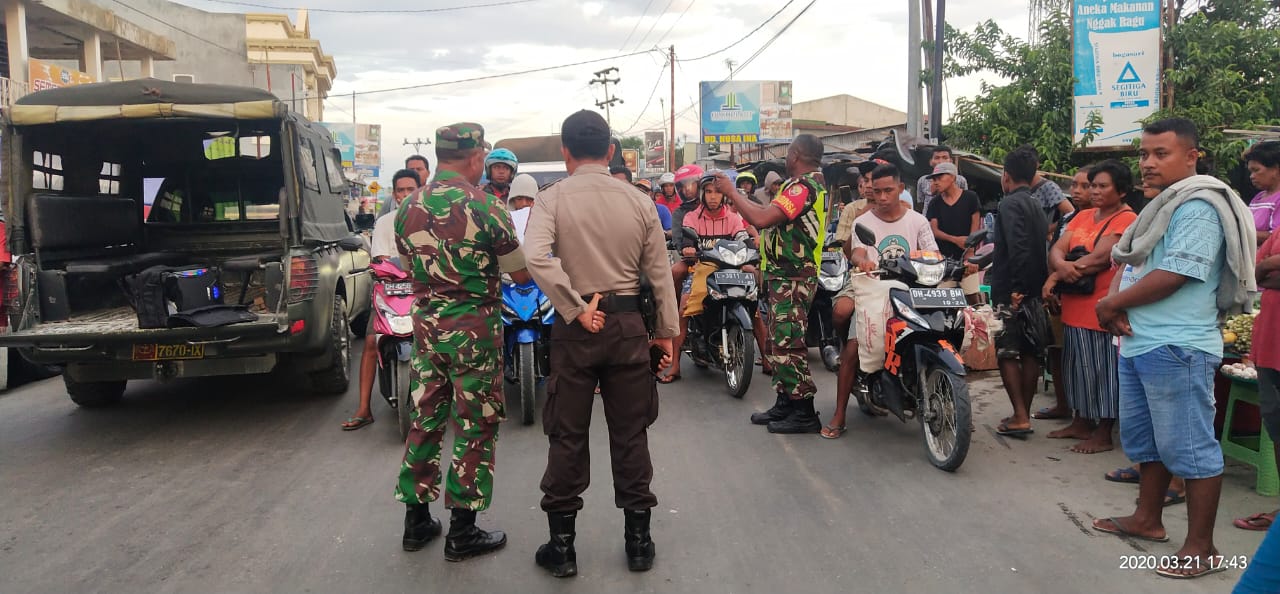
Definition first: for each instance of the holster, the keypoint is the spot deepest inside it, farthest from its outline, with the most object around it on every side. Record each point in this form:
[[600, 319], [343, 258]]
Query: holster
[[648, 306]]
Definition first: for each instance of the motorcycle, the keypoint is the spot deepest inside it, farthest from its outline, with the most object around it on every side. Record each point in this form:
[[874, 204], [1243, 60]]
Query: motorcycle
[[721, 335], [922, 375], [527, 316], [832, 276], [393, 334]]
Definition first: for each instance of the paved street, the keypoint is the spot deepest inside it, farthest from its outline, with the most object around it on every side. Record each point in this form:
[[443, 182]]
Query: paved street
[[244, 485]]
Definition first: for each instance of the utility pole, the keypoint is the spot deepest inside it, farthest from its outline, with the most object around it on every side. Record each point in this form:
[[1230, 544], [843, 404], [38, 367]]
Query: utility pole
[[914, 128], [671, 140], [601, 78], [939, 52], [416, 144], [733, 153], [353, 107]]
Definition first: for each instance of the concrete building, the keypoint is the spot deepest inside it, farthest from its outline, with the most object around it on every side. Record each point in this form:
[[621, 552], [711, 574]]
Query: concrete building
[[60, 42], [209, 46], [847, 110], [284, 59]]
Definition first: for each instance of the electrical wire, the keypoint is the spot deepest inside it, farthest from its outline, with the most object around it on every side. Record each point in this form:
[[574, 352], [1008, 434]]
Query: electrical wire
[[239, 52], [741, 39], [490, 76], [677, 21], [655, 24], [374, 11], [656, 84], [643, 14]]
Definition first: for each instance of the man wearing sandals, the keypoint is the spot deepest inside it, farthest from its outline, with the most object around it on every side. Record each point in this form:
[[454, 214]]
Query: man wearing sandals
[[1188, 257]]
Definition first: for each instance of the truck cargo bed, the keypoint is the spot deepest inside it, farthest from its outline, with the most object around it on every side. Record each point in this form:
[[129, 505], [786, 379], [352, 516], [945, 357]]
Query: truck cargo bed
[[120, 324]]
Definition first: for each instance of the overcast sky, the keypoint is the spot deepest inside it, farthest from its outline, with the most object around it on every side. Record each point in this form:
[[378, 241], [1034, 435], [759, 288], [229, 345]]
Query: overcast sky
[[858, 47]]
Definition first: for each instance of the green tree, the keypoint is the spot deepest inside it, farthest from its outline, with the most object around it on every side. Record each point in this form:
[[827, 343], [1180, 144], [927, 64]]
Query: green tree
[[1223, 75], [633, 142]]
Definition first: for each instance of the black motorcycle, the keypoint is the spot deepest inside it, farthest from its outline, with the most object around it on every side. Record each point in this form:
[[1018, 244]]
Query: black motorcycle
[[922, 375], [833, 273], [720, 336]]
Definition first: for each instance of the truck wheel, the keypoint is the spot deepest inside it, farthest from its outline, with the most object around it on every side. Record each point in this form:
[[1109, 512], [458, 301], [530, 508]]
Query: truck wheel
[[337, 377], [94, 394]]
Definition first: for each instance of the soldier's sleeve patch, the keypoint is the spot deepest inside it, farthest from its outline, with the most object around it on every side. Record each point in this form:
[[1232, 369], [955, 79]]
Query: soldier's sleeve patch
[[793, 200]]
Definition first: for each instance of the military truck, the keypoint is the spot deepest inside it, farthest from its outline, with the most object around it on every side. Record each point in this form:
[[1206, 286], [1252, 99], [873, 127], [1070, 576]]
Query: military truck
[[103, 182]]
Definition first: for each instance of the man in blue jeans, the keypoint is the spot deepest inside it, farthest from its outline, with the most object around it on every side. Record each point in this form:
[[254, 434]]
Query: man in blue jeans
[[1185, 259]]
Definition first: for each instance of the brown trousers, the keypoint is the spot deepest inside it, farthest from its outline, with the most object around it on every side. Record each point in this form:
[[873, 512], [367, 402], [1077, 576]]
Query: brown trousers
[[617, 358]]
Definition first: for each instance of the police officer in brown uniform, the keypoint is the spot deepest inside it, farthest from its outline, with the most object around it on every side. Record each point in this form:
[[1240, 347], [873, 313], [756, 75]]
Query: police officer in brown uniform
[[590, 239]]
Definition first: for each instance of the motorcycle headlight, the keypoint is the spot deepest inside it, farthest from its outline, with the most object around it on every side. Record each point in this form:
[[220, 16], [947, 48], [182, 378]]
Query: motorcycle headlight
[[401, 324], [905, 310], [831, 283], [730, 257], [382, 306], [930, 275]]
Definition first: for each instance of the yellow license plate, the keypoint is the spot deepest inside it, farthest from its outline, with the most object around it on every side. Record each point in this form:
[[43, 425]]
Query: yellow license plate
[[167, 352]]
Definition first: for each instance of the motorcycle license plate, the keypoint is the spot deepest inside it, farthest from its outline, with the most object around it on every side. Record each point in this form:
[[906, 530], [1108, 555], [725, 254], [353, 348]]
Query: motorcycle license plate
[[832, 256], [398, 289], [938, 298], [728, 277]]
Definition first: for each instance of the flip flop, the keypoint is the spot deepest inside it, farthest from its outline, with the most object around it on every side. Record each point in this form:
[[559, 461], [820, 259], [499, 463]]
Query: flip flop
[[833, 432], [1171, 497], [1123, 475], [1169, 573], [1120, 531], [1257, 522], [669, 379], [1046, 413], [356, 423], [1004, 430]]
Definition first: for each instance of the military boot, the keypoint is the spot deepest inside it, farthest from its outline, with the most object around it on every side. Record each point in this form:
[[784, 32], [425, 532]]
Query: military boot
[[419, 526], [781, 408], [466, 540], [639, 543], [558, 556], [802, 419]]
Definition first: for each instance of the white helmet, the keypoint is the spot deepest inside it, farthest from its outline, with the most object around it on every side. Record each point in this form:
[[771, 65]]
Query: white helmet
[[667, 178]]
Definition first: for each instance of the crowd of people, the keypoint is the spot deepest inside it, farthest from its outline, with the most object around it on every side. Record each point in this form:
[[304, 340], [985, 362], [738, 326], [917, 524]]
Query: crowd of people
[[1122, 306]]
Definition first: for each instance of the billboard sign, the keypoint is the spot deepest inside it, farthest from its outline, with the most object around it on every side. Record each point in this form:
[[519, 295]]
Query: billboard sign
[[655, 150], [46, 75], [360, 146], [1116, 62], [745, 111], [631, 157]]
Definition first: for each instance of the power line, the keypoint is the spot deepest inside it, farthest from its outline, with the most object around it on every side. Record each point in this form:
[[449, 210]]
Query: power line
[[741, 39], [656, 84], [492, 76], [374, 11], [239, 52], [655, 24], [673, 25], [643, 14]]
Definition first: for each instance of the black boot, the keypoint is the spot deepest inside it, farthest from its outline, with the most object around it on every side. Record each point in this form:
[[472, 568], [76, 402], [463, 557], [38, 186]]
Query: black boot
[[779, 411], [558, 556], [465, 540], [419, 526], [639, 543], [802, 419]]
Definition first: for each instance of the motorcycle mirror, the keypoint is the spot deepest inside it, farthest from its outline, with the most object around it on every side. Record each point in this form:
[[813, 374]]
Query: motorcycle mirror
[[692, 234], [983, 260], [837, 244], [977, 238], [864, 235]]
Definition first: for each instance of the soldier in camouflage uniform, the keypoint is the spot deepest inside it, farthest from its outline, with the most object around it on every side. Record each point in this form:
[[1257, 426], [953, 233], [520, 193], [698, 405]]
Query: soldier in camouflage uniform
[[791, 228], [455, 240]]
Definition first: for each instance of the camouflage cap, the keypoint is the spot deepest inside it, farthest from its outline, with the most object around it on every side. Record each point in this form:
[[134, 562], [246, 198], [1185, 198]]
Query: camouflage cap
[[461, 136]]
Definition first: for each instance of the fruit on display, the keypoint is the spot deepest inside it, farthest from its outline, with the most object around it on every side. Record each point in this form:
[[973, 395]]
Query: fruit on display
[[1240, 370], [1237, 334]]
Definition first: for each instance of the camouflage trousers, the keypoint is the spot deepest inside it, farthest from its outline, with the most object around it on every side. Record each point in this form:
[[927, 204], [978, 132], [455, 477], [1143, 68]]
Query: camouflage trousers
[[456, 380], [788, 301]]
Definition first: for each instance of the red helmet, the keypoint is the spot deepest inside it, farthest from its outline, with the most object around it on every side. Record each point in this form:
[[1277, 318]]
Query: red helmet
[[687, 173]]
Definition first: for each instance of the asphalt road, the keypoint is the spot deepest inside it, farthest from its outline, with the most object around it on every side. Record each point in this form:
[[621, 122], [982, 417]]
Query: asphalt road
[[248, 485]]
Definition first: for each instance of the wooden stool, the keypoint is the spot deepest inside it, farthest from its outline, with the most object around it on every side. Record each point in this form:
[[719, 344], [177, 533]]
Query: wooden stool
[[1257, 451]]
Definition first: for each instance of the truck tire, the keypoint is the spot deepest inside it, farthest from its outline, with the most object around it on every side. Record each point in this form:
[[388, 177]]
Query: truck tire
[[336, 378], [94, 394]]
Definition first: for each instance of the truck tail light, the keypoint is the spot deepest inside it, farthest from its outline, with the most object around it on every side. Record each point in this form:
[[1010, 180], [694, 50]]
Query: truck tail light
[[12, 285], [304, 278]]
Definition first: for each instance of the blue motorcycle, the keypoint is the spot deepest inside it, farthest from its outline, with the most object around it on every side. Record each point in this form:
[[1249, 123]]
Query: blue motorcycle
[[527, 316]]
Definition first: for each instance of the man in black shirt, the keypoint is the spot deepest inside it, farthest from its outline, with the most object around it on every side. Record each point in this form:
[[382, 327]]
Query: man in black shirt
[[953, 213], [1018, 272]]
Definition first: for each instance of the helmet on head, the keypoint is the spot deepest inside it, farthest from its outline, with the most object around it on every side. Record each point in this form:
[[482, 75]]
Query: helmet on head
[[747, 175], [687, 173], [503, 156], [667, 178]]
